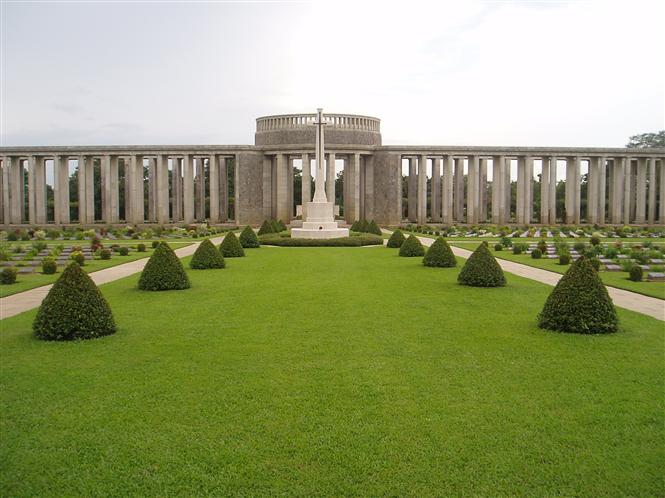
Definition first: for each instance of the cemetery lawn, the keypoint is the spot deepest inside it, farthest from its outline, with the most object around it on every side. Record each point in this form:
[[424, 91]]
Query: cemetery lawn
[[26, 281], [618, 279], [332, 371]]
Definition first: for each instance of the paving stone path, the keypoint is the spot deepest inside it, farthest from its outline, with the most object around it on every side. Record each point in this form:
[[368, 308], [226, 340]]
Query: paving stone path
[[24, 301], [646, 305]]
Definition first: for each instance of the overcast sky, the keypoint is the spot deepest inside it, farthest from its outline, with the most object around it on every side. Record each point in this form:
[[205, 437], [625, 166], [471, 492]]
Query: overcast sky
[[579, 73]]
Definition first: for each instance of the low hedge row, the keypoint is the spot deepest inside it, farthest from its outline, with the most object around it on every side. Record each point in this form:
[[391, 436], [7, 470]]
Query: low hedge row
[[356, 241]]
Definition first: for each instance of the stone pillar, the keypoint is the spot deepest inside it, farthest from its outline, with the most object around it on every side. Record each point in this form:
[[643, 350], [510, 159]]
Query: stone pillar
[[162, 189], [354, 186], [290, 188], [16, 188], [187, 189], [282, 188], [36, 191], [367, 198], [482, 191], [528, 188], [616, 201], [592, 191], [552, 194], [137, 203], [152, 190], [641, 206], [306, 187], [330, 178], [387, 184], [266, 194], [498, 197], [652, 191], [661, 207], [447, 190], [6, 189], [573, 190], [459, 190], [602, 172], [521, 194], [213, 172], [435, 196], [200, 182], [84, 171], [473, 190], [61, 191], [412, 191], [422, 190], [545, 191], [223, 190], [627, 189]]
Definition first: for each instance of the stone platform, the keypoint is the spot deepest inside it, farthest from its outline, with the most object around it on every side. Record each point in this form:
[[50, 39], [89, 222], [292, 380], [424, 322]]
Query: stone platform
[[320, 223]]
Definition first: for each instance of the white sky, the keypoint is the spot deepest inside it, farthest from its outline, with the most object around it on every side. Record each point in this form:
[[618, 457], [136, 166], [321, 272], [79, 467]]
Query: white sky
[[579, 73]]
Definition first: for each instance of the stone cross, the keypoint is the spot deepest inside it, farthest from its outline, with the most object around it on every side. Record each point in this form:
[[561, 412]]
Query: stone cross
[[319, 188]]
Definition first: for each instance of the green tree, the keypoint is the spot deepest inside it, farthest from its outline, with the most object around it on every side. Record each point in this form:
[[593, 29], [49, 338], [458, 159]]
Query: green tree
[[647, 140]]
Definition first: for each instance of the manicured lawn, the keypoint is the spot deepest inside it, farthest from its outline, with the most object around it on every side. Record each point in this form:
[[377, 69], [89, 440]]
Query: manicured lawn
[[338, 372], [614, 279], [27, 281]]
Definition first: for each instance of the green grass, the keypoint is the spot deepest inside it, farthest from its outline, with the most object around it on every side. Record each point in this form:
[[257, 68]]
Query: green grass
[[26, 281], [338, 372], [614, 279]]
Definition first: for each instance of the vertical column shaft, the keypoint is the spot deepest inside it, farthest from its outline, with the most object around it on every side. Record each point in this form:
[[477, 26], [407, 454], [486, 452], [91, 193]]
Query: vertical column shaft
[[602, 174], [223, 190], [473, 190], [306, 187], [282, 188], [435, 196], [162, 186], [641, 206], [422, 190], [652, 191], [459, 189], [354, 186], [213, 172], [6, 190], [290, 188], [627, 189], [412, 191], [544, 191], [447, 190], [330, 177]]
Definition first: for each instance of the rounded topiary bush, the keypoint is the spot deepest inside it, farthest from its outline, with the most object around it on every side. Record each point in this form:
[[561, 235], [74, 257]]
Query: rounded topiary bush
[[123, 251], [498, 247], [372, 227], [636, 273], [230, 246], [163, 271], [396, 239], [73, 309], [154, 244], [412, 247], [564, 259], [439, 254], [8, 276], [517, 249], [49, 266], [266, 227], [579, 303], [248, 238], [140, 248], [536, 254], [482, 270], [206, 257]]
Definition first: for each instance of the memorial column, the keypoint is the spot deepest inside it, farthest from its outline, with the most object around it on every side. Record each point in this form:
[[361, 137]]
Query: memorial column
[[545, 191], [652, 190], [435, 197], [412, 191], [627, 189], [306, 187], [447, 190], [422, 190], [641, 186]]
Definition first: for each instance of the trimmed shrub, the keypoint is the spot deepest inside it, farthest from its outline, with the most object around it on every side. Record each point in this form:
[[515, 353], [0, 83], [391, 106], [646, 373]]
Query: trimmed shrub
[[579, 303], [372, 227], [595, 262], [595, 240], [206, 256], [564, 259], [542, 245], [230, 246], [155, 243], [73, 309], [355, 226], [8, 275], [140, 247], [412, 248], [636, 273], [163, 271], [281, 225], [482, 270], [517, 249], [78, 257], [363, 226], [49, 266], [536, 254], [396, 239], [439, 254], [105, 254], [579, 246], [276, 228], [123, 251], [248, 238], [266, 227], [498, 247]]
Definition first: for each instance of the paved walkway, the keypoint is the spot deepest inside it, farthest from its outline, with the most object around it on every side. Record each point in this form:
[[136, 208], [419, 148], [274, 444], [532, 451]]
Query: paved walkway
[[24, 301], [646, 305]]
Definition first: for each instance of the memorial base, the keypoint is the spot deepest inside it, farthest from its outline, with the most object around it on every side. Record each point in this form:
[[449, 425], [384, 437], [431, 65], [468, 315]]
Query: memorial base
[[320, 223]]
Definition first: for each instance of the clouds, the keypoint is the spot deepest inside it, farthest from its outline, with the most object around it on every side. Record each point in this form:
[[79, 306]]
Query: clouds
[[482, 73]]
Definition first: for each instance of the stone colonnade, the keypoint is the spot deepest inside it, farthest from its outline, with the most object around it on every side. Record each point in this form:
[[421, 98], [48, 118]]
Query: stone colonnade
[[358, 184], [158, 188], [620, 190]]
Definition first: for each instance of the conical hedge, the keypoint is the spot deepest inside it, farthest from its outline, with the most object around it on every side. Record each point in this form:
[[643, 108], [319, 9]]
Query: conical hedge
[[412, 247], [206, 257], [482, 270], [579, 303], [266, 227], [73, 309], [372, 227], [248, 238], [396, 239], [363, 226], [439, 254], [163, 271], [355, 227], [230, 246]]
